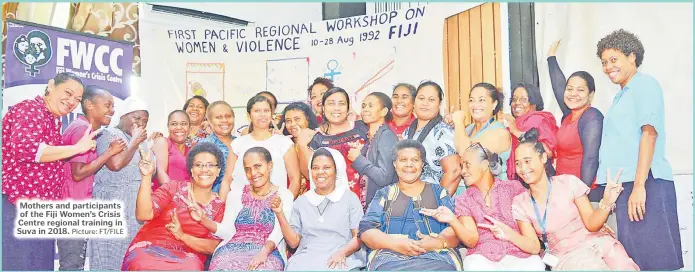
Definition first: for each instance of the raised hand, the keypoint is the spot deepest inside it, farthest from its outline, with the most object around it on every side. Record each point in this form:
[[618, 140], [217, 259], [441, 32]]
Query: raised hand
[[139, 134], [441, 214], [553, 48], [354, 151], [499, 230], [87, 142], [276, 205], [175, 226], [146, 165], [613, 187], [448, 116], [305, 136]]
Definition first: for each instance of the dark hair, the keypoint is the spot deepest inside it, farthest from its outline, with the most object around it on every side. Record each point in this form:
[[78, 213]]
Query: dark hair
[[409, 143], [440, 92], [253, 101], [64, 77], [413, 91], [323, 81], [204, 147], [534, 95], [91, 92], [493, 93], [495, 162], [385, 101], [531, 137], [274, 103], [586, 77], [178, 111], [624, 41], [265, 154], [322, 152], [215, 104], [328, 93], [202, 99], [303, 107]]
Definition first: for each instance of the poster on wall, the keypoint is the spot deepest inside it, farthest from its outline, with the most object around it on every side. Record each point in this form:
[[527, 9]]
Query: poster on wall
[[37, 53], [361, 54]]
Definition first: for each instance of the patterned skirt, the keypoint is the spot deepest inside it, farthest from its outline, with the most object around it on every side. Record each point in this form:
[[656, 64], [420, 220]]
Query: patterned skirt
[[146, 256], [237, 256]]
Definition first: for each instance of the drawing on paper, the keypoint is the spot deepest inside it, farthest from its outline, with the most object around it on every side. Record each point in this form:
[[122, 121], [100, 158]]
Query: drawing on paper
[[288, 79], [206, 80]]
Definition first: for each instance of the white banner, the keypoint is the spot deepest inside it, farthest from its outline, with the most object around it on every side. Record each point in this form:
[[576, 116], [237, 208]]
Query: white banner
[[362, 54]]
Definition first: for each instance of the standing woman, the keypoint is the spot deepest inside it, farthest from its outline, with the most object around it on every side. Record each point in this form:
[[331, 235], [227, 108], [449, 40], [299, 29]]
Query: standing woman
[[295, 117], [484, 102], [259, 109], [120, 181], [579, 136], [403, 100], [196, 107], [273, 106], [316, 90], [329, 243], [527, 113], [336, 133], [634, 138], [250, 229], [376, 167], [32, 151], [442, 162], [172, 151], [221, 119]]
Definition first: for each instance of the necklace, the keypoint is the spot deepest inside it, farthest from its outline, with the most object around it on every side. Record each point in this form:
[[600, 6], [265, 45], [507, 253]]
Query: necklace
[[321, 212], [262, 195], [487, 195]]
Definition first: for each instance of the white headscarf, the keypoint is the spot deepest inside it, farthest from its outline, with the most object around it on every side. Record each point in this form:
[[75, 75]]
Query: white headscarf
[[341, 180], [130, 104]]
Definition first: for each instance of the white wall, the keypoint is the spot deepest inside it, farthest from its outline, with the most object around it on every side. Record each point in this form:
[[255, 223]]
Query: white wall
[[666, 31], [260, 13]]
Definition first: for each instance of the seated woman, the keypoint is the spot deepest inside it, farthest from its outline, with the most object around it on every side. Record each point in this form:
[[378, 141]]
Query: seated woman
[[329, 243], [172, 239], [251, 232], [400, 238], [171, 151], [487, 197], [574, 233]]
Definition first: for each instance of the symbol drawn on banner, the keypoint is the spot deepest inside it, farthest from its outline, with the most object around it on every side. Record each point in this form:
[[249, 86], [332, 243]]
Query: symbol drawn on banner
[[332, 72], [33, 50]]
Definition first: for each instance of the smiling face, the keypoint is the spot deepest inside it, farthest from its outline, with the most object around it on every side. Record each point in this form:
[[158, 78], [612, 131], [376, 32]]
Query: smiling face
[[520, 102], [472, 167], [408, 165], [323, 172], [221, 118], [480, 104], [101, 108], [336, 108], [427, 103], [137, 118], [295, 120], [257, 169], [402, 101], [178, 127], [316, 95], [577, 93], [618, 67], [196, 111], [530, 166], [372, 110], [63, 98], [261, 115], [205, 169]]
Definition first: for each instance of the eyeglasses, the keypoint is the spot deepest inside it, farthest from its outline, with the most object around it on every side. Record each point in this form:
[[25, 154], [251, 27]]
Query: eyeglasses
[[204, 165], [520, 99]]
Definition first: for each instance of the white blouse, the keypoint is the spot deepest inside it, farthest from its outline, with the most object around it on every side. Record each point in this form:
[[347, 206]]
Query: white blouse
[[277, 145]]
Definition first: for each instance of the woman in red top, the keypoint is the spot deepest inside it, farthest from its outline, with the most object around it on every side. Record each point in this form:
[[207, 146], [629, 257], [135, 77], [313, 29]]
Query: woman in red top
[[579, 136], [172, 237], [32, 151], [171, 151]]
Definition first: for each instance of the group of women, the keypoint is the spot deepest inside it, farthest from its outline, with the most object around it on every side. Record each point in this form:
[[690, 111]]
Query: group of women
[[320, 191]]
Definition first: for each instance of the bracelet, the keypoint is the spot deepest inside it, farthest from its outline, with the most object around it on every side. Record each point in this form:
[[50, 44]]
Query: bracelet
[[444, 244], [605, 207]]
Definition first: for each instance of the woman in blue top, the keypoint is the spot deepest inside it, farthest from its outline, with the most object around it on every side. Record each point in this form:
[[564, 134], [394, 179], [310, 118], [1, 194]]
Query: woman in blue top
[[484, 102], [634, 140]]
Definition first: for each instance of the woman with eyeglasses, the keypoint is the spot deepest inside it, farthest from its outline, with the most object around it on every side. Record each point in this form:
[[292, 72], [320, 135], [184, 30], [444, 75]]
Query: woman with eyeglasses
[[484, 103], [172, 238], [196, 107], [397, 234], [172, 150], [488, 199], [250, 229], [527, 113]]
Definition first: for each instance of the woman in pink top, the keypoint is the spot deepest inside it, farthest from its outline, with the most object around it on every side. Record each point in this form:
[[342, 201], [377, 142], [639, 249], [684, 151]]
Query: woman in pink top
[[487, 198], [171, 152], [559, 210]]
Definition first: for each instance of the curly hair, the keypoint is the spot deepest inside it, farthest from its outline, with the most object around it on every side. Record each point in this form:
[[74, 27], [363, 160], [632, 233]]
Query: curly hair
[[624, 41], [204, 147], [323, 81], [308, 114]]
